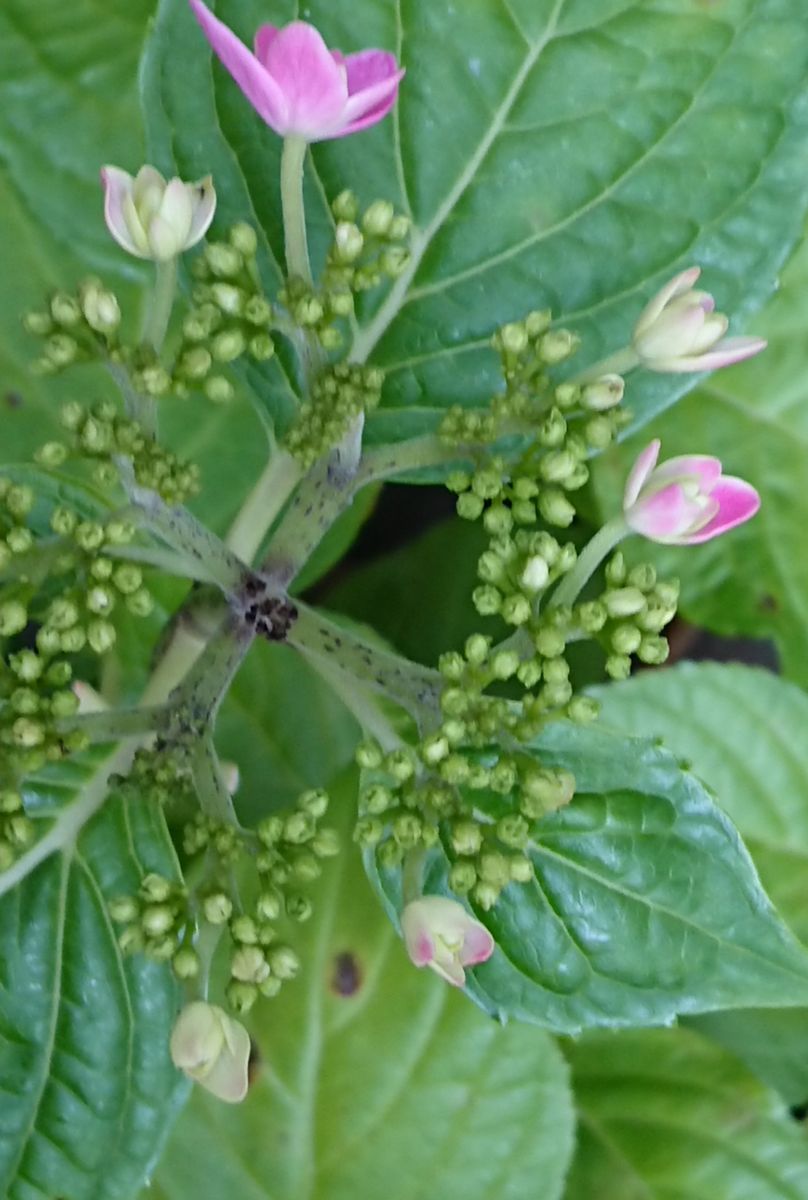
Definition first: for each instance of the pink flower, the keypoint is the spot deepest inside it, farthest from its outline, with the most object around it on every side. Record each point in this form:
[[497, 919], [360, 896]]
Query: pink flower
[[212, 1049], [680, 331], [154, 219], [299, 86], [685, 501], [440, 934]]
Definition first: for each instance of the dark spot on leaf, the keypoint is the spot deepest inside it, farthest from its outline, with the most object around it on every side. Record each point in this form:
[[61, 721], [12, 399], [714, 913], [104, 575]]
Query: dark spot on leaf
[[768, 604], [799, 1111], [13, 399], [347, 977]]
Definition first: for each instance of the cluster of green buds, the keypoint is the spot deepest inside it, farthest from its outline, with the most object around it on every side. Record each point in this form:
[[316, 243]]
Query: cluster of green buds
[[479, 803], [318, 310], [157, 922], [162, 773], [338, 395], [230, 316], [16, 828], [16, 539], [76, 327], [35, 696], [368, 247], [101, 434], [629, 616]]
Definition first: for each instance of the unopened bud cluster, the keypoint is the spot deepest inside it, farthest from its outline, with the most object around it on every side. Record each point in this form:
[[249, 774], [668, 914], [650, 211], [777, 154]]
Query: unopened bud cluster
[[161, 773], [156, 921], [101, 434], [368, 247], [17, 830], [35, 696], [414, 799], [230, 317], [76, 327], [338, 395], [627, 619]]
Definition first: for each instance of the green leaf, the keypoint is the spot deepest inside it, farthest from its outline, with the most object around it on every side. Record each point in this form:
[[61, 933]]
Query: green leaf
[[743, 732], [645, 904], [376, 1079], [664, 1114], [88, 1089], [571, 155], [754, 581]]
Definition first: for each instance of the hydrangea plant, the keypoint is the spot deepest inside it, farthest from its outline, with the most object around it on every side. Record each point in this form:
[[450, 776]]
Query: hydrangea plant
[[244, 796]]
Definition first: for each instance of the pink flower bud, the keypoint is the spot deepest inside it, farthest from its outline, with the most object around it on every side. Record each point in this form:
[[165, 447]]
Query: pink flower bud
[[679, 330], [212, 1049], [440, 934], [154, 219], [299, 86], [686, 500]]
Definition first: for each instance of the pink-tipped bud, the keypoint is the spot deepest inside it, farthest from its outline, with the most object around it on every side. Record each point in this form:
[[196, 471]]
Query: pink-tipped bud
[[155, 219], [212, 1049], [300, 87], [440, 933], [679, 330], [686, 500]]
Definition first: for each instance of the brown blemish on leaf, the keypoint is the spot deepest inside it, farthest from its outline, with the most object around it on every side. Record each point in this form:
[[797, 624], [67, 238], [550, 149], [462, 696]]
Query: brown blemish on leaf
[[346, 978]]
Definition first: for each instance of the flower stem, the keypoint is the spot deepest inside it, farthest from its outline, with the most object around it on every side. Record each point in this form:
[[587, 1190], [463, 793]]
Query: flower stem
[[271, 492], [619, 363], [294, 214], [113, 725], [412, 876], [589, 560], [160, 305]]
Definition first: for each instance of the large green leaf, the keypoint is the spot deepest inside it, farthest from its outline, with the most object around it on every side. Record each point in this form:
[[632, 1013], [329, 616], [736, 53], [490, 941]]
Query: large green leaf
[[753, 582], [645, 904], [565, 154], [665, 1115], [88, 1089], [743, 733], [375, 1080]]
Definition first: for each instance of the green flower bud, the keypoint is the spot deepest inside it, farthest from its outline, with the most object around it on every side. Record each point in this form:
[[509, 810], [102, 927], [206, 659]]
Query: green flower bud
[[643, 576], [469, 506], [467, 838], [486, 895], [591, 616], [368, 832], [217, 908], [101, 636], [244, 930], [140, 603], [513, 338], [378, 218], [394, 261], [37, 323], [667, 592], [368, 755], [64, 704], [504, 664], [377, 799], [185, 963], [513, 831], [615, 570], [299, 827], [348, 242], [52, 454], [326, 843], [462, 877], [89, 536], [195, 363], [131, 941], [535, 575], [241, 996], [625, 639], [455, 769], [487, 600], [498, 519], [583, 710], [100, 600], [603, 393], [314, 802], [100, 307], [305, 868], [458, 481], [72, 640], [345, 207], [283, 962], [65, 310], [624, 602], [556, 508], [524, 512], [243, 238], [269, 987], [434, 749], [618, 666], [157, 919], [399, 228], [486, 483], [155, 888], [270, 830], [249, 965], [118, 533], [549, 642], [13, 618], [258, 311], [19, 500], [545, 791], [228, 345], [407, 829], [653, 651], [521, 869], [123, 910], [476, 649], [19, 540], [529, 673], [224, 261], [26, 665], [48, 641], [516, 610], [127, 578], [557, 345], [556, 467], [261, 347]]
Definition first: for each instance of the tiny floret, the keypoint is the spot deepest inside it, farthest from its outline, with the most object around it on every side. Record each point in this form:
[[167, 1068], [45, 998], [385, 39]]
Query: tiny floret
[[212, 1049], [686, 500], [440, 933], [154, 218], [679, 330], [300, 87]]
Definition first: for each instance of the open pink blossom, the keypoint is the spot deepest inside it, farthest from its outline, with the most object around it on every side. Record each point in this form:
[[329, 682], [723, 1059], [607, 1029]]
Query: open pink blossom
[[679, 330], [440, 934], [299, 86], [686, 500]]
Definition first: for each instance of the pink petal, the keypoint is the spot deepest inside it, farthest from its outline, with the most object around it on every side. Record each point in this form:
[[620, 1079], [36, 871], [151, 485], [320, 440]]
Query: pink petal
[[313, 85], [264, 37], [727, 352], [117, 188], [702, 467], [676, 332], [670, 514], [677, 286], [367, 107], [643, 466], [737, 502], [478, 945], [255, 82]]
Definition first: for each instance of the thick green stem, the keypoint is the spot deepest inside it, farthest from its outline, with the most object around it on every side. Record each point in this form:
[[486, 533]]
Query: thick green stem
[[388, 460], [619, 363], [294, 213], [414, 687], [161, 302], [113, 725], [412, 877], [138, 407], [265, 501], [588, 561]]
